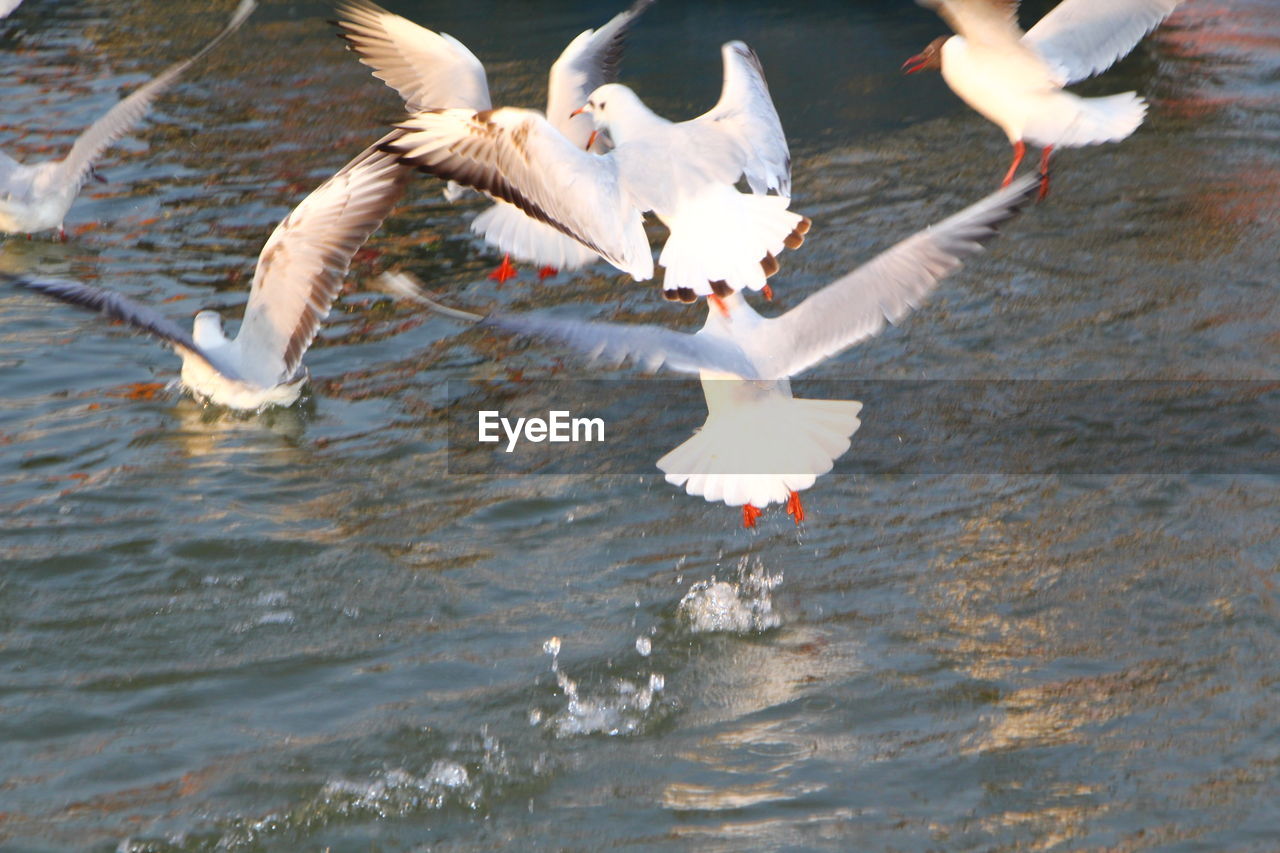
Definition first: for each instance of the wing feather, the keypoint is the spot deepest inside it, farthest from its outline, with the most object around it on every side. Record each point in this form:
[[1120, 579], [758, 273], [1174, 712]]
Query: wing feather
[[992, 22], [1080, 38], [116, 306], [303, 263], [885, 289], [120, 119], [745, 114], [430, 70], [517, 156], [590, 61]]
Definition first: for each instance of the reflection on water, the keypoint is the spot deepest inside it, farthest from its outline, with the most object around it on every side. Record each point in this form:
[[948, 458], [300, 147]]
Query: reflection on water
[[299, 631]]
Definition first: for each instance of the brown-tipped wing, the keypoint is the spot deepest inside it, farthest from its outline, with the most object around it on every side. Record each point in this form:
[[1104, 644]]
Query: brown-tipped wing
[[303, 263], [517, 156], [430, 70]]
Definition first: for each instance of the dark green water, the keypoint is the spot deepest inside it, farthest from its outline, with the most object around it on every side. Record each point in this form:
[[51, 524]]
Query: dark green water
[[298, 632]]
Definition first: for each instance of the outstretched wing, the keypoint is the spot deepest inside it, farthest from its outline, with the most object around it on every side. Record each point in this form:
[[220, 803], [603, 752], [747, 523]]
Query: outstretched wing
[[1080, 38], [430, 70], [517, 156], [991, 22], [745, 115], [651, 347], [590, 61], [120, 119], [303, 263], [119, 307], [886, 288]]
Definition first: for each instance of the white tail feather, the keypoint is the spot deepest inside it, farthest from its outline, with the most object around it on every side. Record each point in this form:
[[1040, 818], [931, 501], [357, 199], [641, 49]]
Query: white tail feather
[[723, 235], [529, 240], [759, 455], [1071, 121]]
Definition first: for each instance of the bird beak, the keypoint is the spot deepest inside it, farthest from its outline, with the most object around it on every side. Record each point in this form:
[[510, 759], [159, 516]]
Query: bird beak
[[591, 140], [915, 63], [579, 111]]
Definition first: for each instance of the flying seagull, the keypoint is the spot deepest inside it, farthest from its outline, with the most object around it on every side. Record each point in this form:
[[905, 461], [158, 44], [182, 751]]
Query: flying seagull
[[434, 70], [298, 276], [760, 445], [36, 197], [1015, 79], [721, 239]]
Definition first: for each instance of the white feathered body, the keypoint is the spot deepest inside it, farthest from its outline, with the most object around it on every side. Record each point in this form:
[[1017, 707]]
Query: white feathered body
[[1015, 88], [32, 197], [526, 239], [759, 443], [207, 383]]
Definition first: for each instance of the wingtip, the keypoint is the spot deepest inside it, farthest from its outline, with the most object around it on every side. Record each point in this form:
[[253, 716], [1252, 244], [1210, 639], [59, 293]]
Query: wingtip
[[407, 286]]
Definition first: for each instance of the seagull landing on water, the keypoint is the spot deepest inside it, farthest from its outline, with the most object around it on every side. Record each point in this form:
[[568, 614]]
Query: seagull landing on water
[[721, 239], [37, 197], [299, 273], [1015, 79], [434, 70], [760, 445]]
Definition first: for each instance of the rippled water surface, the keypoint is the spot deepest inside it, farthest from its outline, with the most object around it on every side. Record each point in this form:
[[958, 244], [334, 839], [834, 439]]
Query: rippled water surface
[[298, 631]]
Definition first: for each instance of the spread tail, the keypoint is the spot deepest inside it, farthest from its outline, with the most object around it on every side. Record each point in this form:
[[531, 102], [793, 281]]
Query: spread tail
[[759, 455], [528, 240], [1071, 121]]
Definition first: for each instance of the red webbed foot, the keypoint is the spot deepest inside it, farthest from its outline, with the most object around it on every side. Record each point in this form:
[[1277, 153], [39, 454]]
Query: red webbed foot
[[749, 515], [795, 509], [505, 271]]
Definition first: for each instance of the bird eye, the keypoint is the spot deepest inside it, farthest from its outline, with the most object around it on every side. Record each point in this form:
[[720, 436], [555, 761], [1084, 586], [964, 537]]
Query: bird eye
[[602, 105]]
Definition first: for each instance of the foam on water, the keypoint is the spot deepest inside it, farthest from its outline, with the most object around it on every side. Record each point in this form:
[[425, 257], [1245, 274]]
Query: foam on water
[[621, 706]]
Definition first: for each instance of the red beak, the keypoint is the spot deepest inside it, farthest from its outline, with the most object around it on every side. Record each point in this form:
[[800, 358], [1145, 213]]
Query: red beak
[[591, 140], [579, 111], [915, 63]]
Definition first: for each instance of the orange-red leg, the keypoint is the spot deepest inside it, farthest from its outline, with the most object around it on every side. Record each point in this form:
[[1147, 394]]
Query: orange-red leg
[[546, 273], [749, 515], [768, 292], [1019, 151], [795, 509], [1044, 172], [719, 304], [506, 270]]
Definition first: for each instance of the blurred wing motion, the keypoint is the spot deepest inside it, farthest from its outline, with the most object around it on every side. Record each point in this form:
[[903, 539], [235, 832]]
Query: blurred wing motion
[[430, 70], [991, 22], [517, 156], [590, 61], [651, 347], [121, 118], [886, 288], [746, 116], [118, 307], [7, 6], [1080, 38], [302, 265]]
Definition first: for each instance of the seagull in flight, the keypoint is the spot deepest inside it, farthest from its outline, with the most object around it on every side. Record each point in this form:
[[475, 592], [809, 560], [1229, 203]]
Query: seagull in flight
[[36, 197], [721, 239], [760, 444], [1015, 79], [299, 273], [435, 70]]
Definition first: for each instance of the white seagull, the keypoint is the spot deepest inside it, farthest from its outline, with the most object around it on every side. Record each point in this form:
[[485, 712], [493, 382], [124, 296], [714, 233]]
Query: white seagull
[[760, 445], [434, 70], [1015, 79], [721, 239], [298, 276], [37, 197]]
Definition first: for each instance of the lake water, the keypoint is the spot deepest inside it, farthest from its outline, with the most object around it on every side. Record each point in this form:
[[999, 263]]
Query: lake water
[[299, 631]]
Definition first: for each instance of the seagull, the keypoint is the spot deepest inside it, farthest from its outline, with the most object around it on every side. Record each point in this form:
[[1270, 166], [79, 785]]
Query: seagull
[[760, 445], [37, 197], [1015, 79], [299, 273], [432, 70], [721, 239]]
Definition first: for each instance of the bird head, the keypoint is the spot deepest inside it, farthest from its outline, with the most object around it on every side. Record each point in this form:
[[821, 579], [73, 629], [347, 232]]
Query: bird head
[[207, 329], [929, 59]]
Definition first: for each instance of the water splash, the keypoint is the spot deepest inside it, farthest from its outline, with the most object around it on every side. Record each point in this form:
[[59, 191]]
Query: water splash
[[740, 607], [622, 707]]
